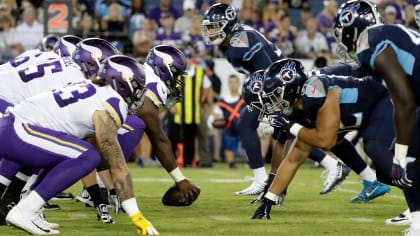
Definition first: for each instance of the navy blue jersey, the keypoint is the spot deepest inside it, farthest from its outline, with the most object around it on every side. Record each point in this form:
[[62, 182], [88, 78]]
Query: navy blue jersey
[[405, 42], [249, 51], [358, 97]]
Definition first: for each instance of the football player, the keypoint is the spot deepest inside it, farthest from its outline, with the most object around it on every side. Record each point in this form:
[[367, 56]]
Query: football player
[[247, 50], [51, 128], [25, 82], [163, 67], [389, 51], [319, 110]]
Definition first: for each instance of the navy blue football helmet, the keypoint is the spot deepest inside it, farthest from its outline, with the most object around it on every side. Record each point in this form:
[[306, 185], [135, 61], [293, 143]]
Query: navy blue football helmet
[[126, 76], [219, 21], [282, 84], [352, 18], [251, 91]]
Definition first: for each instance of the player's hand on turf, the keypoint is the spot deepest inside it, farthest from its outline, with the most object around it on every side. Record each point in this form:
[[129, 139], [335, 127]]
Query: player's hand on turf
[[261, 196], [263, 211], [188, 191], [143, 226], [399, 174]]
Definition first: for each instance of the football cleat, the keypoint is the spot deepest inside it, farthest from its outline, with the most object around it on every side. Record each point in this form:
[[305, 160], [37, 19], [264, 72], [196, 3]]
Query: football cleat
[[27, 222], [335, 177], [411, 232], [402, 219], [115, 202], [103, 215], [40, 218], [85, 198], [253, 189], [370, 191], [51, 206], [63, 196]]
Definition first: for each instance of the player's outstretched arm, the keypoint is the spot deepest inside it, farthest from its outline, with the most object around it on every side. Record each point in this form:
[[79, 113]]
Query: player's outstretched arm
[[106, 136], [149, 113]]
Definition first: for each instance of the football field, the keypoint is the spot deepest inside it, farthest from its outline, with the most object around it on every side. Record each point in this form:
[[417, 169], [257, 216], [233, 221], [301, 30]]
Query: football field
[[218, 212]]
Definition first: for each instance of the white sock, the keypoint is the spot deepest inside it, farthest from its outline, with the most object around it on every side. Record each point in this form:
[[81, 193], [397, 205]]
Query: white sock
[[31, 203], [368, 174], [260, 175], [99, 180], [329, 163], [415, 219], [5, 181], [27, 188]]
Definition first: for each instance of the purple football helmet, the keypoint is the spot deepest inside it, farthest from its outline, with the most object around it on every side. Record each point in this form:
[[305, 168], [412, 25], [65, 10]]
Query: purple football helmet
[[48, 42], [168, 63], [126, 76], [66, 45], [91, 52]]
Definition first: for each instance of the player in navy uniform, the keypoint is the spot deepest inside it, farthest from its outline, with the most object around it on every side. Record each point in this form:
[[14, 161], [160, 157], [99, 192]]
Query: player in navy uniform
[[389, 51], [247, 50], [327, 107]]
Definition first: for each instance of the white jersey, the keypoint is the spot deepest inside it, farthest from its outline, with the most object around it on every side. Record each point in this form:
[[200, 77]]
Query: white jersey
[[28, 58], [157, 90], [17, 85], [70, 109]]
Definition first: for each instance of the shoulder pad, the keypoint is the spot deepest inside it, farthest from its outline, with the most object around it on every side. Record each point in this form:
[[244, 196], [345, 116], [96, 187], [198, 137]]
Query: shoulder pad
[[314, 88], [239, 40]]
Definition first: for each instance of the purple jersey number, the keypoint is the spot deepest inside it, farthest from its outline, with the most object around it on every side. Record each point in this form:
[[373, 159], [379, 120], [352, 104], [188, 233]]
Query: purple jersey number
[[19, 61], [73, 93], [28, 74]]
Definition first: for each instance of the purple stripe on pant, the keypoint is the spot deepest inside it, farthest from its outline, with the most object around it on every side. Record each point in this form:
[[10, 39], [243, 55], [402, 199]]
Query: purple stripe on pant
[[64, 171]]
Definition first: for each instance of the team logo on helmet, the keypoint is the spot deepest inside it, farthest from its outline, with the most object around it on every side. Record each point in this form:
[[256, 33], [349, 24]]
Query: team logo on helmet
[[287, 73], [256, 84], [347, 17], [230, 13]]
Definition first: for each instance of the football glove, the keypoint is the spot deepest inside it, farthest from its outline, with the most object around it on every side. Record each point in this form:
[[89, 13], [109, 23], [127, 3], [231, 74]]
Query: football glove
[[143, 226], [399, 174], [263, 211], [265, 129], [281, 121]]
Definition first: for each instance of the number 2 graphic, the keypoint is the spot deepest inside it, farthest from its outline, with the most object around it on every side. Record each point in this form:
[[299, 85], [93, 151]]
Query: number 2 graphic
[[59, 20]]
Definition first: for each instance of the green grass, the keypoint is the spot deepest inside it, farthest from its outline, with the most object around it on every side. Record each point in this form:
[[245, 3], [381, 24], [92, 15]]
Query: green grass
[[219, 212]]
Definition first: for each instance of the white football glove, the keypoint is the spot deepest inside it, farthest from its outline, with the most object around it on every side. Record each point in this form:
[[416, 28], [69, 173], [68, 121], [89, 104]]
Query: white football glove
[[265, 129]]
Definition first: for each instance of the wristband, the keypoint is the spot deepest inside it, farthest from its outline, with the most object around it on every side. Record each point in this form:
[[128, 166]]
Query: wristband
[[130, 206], [295, 129], [401, 153], [271, 196], [177, 175]]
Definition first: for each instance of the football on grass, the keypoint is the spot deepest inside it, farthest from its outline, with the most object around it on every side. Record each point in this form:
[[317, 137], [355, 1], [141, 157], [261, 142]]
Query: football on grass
[[219, 123], [172, 197]]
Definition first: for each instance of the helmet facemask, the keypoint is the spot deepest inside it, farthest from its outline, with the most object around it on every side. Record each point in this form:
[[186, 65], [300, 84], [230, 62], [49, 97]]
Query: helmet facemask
[[213, 32], [274, 102]]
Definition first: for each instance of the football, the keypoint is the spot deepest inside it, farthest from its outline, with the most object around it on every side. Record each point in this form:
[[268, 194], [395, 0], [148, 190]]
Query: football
[[172, 197], [219, 123]]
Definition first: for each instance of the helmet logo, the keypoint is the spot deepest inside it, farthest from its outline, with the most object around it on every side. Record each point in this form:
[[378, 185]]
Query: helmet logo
[[256, 87], [346, 18], [230, 13], [287, 73]]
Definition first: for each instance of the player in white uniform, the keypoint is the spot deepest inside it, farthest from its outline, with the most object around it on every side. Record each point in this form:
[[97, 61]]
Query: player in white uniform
[[48, 131], [22, 83], [163, 66]]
